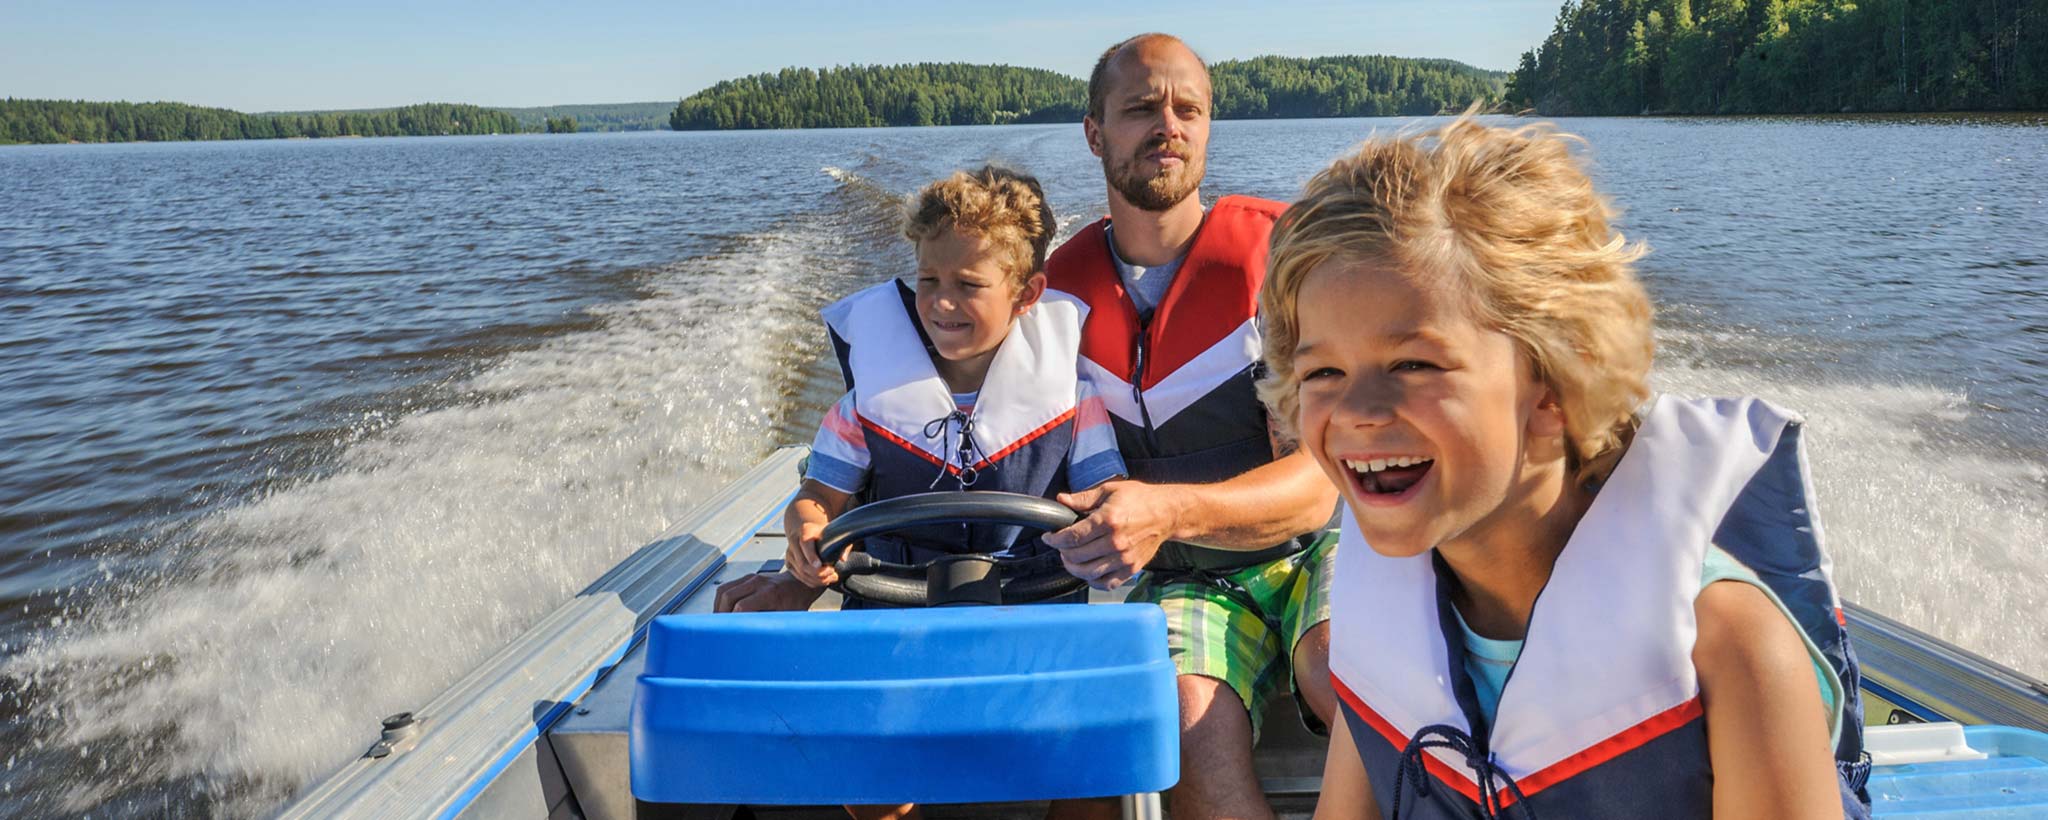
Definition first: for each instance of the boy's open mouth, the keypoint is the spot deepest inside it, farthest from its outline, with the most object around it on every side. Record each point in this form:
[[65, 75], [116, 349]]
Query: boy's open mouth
[[1388, 476]]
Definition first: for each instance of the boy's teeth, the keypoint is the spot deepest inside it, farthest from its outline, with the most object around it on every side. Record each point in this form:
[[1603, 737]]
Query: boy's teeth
[[1378, 464]]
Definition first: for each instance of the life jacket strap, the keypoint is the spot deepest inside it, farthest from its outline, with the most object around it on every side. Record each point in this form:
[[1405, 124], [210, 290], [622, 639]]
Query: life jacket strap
[[1489, 776]]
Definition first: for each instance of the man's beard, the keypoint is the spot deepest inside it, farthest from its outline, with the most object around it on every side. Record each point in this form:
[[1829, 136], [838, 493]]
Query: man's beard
[[1157, 193]]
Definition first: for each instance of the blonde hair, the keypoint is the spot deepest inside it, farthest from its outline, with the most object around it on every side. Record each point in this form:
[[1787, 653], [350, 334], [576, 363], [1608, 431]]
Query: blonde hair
[[1511, 218], [1003, 207]]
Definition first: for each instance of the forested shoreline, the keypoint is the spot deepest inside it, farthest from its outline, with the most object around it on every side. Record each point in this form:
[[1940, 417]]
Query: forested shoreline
[[964, 94], [48, 121], [1787, 57], [640, 116], [1603, 57], [873, 96]]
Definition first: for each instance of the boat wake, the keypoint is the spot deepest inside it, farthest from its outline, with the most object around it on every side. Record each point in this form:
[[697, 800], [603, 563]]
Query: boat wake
[[261, 655], [1929, 527]]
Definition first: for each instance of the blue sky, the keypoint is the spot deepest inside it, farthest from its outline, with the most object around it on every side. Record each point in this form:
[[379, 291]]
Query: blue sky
[[286, 54]]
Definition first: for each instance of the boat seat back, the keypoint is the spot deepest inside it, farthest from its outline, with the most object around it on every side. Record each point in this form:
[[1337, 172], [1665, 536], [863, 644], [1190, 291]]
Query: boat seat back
[[952, 705]]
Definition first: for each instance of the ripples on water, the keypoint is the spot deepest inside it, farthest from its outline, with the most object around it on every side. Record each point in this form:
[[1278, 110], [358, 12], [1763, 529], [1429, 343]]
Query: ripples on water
[[296, 432]]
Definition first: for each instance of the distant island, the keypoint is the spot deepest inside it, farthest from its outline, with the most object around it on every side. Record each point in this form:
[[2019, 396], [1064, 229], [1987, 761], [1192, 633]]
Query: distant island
[[631, 116], [966, 94], [44, 121], [1787, 57], [634, 116]]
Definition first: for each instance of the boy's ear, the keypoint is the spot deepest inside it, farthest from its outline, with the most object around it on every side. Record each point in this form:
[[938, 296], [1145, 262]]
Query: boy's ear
[[1034, 288], [1547, 420]]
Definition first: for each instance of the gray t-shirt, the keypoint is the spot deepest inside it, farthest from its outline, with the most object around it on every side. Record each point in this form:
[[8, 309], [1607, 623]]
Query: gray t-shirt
[[1147, 286]]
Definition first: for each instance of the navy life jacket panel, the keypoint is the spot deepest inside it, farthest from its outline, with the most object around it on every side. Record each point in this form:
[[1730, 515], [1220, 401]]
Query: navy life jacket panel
[[1016, 438], [1772, 530], [1601, 716], [1179, 388]]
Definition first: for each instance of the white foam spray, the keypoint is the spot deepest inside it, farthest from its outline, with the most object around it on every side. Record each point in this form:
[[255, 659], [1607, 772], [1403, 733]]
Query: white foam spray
[[1940, 535], [302, 617]]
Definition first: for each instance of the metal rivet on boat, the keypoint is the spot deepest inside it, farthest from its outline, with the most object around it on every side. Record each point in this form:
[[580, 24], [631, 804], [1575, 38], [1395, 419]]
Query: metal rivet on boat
[[582, 710], [398, 721]]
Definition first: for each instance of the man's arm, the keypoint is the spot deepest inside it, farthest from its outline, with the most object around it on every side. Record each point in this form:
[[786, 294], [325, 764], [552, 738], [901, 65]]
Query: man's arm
[[1128, 520]]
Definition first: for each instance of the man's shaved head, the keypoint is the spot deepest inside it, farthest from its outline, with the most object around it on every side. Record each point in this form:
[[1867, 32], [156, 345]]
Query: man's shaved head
[[1149, 42]]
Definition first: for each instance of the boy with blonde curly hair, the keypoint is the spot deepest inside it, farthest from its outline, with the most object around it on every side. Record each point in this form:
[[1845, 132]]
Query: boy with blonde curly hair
[[1544, 603]]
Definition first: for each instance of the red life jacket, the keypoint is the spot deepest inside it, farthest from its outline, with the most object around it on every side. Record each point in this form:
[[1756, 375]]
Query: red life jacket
[[1179, 388]]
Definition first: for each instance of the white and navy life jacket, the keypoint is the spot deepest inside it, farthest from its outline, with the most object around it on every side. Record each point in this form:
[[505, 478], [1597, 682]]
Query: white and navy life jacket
[[1016, 438], [1601, 714], [1179, 384]]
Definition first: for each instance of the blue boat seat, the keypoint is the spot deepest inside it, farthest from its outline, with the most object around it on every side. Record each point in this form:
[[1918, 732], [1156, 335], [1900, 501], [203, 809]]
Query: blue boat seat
[[2011, 783], [951, 705]]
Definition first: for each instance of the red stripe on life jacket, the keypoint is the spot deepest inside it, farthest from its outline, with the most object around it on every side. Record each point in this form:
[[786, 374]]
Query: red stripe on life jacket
[[1214, 292], [1444, 773], [1614, 746], [1027, 439], [992, 458]]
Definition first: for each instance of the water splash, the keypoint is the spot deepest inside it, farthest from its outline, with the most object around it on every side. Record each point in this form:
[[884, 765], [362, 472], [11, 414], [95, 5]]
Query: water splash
[[1937, 530], [264, 654]]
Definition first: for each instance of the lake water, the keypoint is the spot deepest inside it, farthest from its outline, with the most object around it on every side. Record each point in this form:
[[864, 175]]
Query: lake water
[[293, 433]]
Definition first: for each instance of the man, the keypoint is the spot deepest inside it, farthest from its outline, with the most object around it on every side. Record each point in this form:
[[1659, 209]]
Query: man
[[1228, 522]]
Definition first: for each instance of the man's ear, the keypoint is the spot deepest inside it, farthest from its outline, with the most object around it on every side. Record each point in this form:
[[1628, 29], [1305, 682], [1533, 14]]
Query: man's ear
[[1093, 131], [1033, 289]]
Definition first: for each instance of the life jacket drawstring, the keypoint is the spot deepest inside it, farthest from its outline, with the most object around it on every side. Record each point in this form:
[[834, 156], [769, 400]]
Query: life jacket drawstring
[[967, 452], [1491, 777]]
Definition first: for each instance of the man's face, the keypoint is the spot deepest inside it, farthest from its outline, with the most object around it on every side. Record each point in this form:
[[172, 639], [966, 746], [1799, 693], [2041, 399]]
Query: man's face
[[1154, 134]]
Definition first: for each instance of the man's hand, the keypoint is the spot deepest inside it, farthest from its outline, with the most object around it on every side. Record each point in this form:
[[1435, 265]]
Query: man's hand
[[1125, 524], [765, 592], [801, 557]]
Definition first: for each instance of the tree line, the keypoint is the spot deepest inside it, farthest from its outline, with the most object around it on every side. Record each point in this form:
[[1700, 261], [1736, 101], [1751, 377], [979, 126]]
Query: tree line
[[1787, 56], [863, 96], [46, 121], [1352, 86], [641, 116], [963, 94]]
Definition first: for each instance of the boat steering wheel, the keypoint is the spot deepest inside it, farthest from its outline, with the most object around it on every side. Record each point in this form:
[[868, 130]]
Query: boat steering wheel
[[949, 579]]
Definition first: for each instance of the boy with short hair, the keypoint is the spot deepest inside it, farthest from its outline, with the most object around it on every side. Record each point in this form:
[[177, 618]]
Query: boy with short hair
[[964, 381]]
